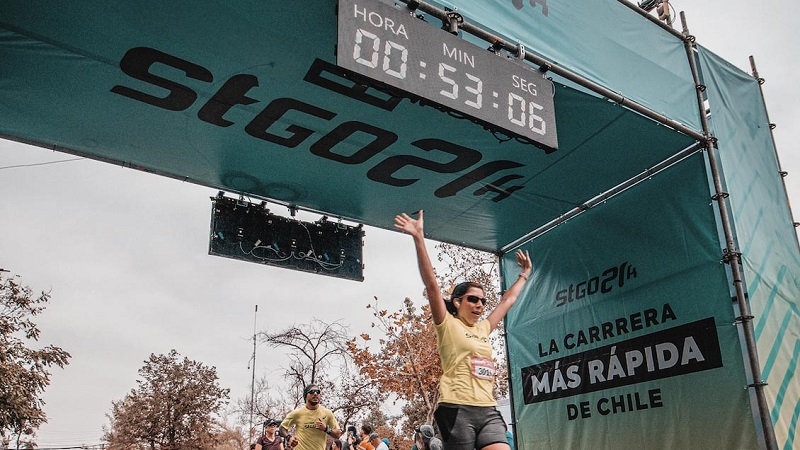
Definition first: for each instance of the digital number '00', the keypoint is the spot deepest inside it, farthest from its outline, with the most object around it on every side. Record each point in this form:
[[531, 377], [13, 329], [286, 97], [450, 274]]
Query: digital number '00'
[[387, 51]]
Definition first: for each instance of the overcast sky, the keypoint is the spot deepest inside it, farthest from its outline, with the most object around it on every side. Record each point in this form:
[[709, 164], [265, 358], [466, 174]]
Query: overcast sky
[[126, 253]]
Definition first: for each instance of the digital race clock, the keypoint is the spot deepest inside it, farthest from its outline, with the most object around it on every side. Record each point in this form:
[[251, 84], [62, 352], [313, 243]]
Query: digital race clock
[[394, 47]]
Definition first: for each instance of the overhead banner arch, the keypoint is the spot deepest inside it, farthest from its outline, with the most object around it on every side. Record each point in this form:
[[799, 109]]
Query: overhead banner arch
[[247, 97]]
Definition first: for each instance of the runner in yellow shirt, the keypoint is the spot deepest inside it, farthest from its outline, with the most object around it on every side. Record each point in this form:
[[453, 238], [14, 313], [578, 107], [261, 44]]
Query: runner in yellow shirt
[[313, 423]]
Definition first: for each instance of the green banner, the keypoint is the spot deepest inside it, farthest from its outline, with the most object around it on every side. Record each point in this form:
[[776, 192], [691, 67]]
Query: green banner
[[625, 337], [246, 97], [765, 234]]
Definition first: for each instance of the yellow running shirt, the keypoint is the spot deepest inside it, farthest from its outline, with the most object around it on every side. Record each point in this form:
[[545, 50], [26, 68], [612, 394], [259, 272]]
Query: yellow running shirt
[[467, 365], [308, 437]]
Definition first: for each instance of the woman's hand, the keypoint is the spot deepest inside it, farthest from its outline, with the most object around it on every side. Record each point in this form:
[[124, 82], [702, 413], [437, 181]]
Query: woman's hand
[[524, 262], [409, 225]]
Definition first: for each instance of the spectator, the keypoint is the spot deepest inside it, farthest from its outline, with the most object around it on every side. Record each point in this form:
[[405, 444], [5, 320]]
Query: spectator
[[425, 439], [366, 430], [350, 440], [270, 440], [376, 442]]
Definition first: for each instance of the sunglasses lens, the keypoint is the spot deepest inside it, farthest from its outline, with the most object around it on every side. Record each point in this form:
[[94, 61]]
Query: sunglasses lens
[[314, 391], [476, 299]]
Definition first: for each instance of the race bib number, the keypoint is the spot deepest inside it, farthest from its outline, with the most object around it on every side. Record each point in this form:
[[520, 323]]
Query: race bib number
[[482, 368]]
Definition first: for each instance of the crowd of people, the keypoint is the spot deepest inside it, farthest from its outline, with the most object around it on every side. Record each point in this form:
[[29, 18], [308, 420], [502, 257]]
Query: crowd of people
[[315, 428], [364, 438]]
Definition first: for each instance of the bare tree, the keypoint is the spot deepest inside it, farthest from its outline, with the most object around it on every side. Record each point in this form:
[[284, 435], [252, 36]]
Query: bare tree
[[316, 353], [313, 350], [354, 396], [268, 402]]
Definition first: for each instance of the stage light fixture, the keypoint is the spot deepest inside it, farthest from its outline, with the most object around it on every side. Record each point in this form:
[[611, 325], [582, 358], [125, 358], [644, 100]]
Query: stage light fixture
[[250, 232]]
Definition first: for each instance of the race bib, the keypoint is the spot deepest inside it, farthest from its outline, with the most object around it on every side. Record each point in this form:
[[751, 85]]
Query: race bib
[[482, 368]]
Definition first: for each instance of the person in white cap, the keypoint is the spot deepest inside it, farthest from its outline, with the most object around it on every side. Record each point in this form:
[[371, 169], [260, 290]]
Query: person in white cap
[[425, 439], [376, 442], [270, 440]]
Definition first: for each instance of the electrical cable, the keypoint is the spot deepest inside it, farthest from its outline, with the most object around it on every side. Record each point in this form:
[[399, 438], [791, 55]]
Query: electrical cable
[[41, 164]]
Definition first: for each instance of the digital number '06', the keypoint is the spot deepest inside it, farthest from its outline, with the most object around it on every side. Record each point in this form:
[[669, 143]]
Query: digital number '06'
[[374, 53], [527, 116]]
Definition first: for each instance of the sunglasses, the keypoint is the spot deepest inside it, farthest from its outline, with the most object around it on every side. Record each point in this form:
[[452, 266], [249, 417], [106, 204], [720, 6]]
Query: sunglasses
[[475, 299], [314, 391]]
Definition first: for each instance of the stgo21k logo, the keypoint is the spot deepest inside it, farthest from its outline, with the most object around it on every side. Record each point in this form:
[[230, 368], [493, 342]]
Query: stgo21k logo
[[609, 280]]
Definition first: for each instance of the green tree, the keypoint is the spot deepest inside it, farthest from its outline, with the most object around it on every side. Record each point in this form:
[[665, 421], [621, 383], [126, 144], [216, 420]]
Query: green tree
[[24, 371], [176, 405]]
